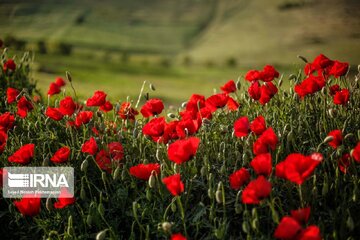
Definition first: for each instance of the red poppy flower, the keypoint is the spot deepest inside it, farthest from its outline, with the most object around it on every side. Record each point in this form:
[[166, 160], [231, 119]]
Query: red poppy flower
[[238, 178], [310, 233], [29, 205], [64, 199], [301, 215], [310, 85], [174, 184], [23, 155], [229, 87], [195, 103], [54, 113], [170, 131], [143, 171], [127, 112], [106, 107], [252, 75], [339, 69], [83, 117], [177, 236], [254, 90], [267, 91], [262, 164], [9, 64], [242, 127], [297, 167], [97, 100], [186, 127], [67, 106], [103, 160], [116, 151], [61, 155], [268, 139], [23, 107], [321, 62], [152, 107], [11, 94], [90, 147], [60, 82], [268, 73], [344, 162], [309, 69], [341, 97], [3, 139], [3, 174], [216, 101], [356, 153], [258, 125], [256, 190], [155, 128], [334, 89], [183, 150], [232, 105], [337, 138], [6, 121], [53, 89], [287, 229]]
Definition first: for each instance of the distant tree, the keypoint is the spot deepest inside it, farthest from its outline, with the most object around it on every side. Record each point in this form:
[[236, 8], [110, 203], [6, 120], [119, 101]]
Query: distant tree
[[231, 62], [165, 62], [187, 61], [209, 64], [125, 57], [41, 47]]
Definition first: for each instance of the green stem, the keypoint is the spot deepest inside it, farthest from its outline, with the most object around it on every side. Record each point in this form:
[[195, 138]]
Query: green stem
[[182, 212]]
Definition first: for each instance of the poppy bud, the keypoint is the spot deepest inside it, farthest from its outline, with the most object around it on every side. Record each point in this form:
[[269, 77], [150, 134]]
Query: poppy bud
[[68, 76], [210, 193], [350, 223], [49, 204], [303, 58], [101, 235], [203, 171], [292, 77], [152, 87], [117, 173], [152, 179], [82, 193], [101, 209], [219, 194], [176, 168], [349, 135], [70, 226], [166, 227], [245, 227], [84, 165], [89, 220], [328, 139], [173, 207], [148, 194], [171, 115], [238, 84], [103, 177], [183, 105]]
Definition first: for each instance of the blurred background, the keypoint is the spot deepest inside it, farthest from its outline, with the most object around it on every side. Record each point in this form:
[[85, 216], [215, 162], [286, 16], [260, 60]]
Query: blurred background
[[181, 46]]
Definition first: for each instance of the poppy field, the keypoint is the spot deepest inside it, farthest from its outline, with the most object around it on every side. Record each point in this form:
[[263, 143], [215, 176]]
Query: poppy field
[[251, 161]]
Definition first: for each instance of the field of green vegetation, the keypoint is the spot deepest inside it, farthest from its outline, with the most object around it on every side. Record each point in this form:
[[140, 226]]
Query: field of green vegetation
[[179, 46]]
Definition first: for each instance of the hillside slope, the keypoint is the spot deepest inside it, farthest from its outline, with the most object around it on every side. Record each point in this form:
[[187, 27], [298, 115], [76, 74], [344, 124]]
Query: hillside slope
[[260, 31]]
